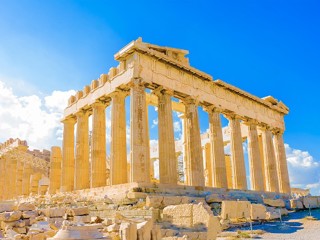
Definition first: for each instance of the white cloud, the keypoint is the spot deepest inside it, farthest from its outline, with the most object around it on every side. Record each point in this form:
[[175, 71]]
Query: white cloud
[[154, 123], [303, 170], [32, 118], [177, 126]]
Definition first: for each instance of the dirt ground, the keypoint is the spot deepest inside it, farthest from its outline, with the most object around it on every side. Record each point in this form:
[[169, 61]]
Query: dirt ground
[[294, 226]]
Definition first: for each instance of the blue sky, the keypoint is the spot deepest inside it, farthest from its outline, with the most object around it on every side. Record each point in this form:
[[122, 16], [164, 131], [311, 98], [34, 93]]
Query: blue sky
[[263, 47]]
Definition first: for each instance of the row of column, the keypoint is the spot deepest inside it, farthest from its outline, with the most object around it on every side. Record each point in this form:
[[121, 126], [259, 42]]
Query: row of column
[[17, 178], [75, 162]]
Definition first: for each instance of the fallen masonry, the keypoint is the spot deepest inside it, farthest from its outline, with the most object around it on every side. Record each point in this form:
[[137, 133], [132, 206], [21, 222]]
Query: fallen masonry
[[140, 211]]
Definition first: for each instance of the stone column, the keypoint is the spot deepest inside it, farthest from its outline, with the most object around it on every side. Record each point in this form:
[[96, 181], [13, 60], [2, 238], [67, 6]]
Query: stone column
[[167, 154], [98, 146], [270, 161], [193, 142], [2, 177], [34, 183], [262, 162], [118, 139], [140, 152], [237, 157], [229, 171], [19, 173], [55, 170], [27, 171], [255, 162], [208, 161], [11, 178], [283, 175], [82, 166], [186, 167], [67, 174], [218, 163]]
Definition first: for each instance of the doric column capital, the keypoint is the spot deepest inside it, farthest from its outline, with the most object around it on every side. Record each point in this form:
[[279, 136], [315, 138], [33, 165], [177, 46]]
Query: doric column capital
[[69, 119], [250, 121], [119, 92], [162, 90], [82, 113], [277, 131], [231, 116], [136, 83], [190, 101], [264, 127], [212, 108], [100, 104]]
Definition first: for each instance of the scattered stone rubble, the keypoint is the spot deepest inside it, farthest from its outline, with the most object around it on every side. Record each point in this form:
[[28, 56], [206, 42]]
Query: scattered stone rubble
[[141, 213]]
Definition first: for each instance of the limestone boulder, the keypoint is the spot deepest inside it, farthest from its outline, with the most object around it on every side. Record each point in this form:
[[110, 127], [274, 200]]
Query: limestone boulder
[[20, 230], [128, 231], [179, 215], [202, 216], [154, 201], [144, 230], [194, 216], [78, 211], [235, 210], [10, 216], [136, 195], [274, 202], [273, 213], [53, 212], [26, 207], [310, 202], [171, 200], [7, 207], [29, 214], [258, 212]]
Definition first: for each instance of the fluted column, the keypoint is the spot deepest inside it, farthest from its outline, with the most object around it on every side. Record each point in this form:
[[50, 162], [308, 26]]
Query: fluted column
[[27, 171], [11, 178], [208, 164], [67, 174], [34, 183], [186, 167], [263, 165], [118, 139], [237, 157], [167, 154], [283, 175], [19, 177], [2, 177], [55, 169], [140, 152], [98, 146], [218, 163], [229, 171], [82, 166], [270, 161], [255, 162], [194, 144]]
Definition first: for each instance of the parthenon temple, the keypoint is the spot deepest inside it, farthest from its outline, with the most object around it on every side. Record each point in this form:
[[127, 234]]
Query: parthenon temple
[[148, 74]]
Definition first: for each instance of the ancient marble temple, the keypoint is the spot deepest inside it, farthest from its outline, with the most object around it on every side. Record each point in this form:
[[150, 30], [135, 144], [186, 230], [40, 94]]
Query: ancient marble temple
[[154, 75]]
